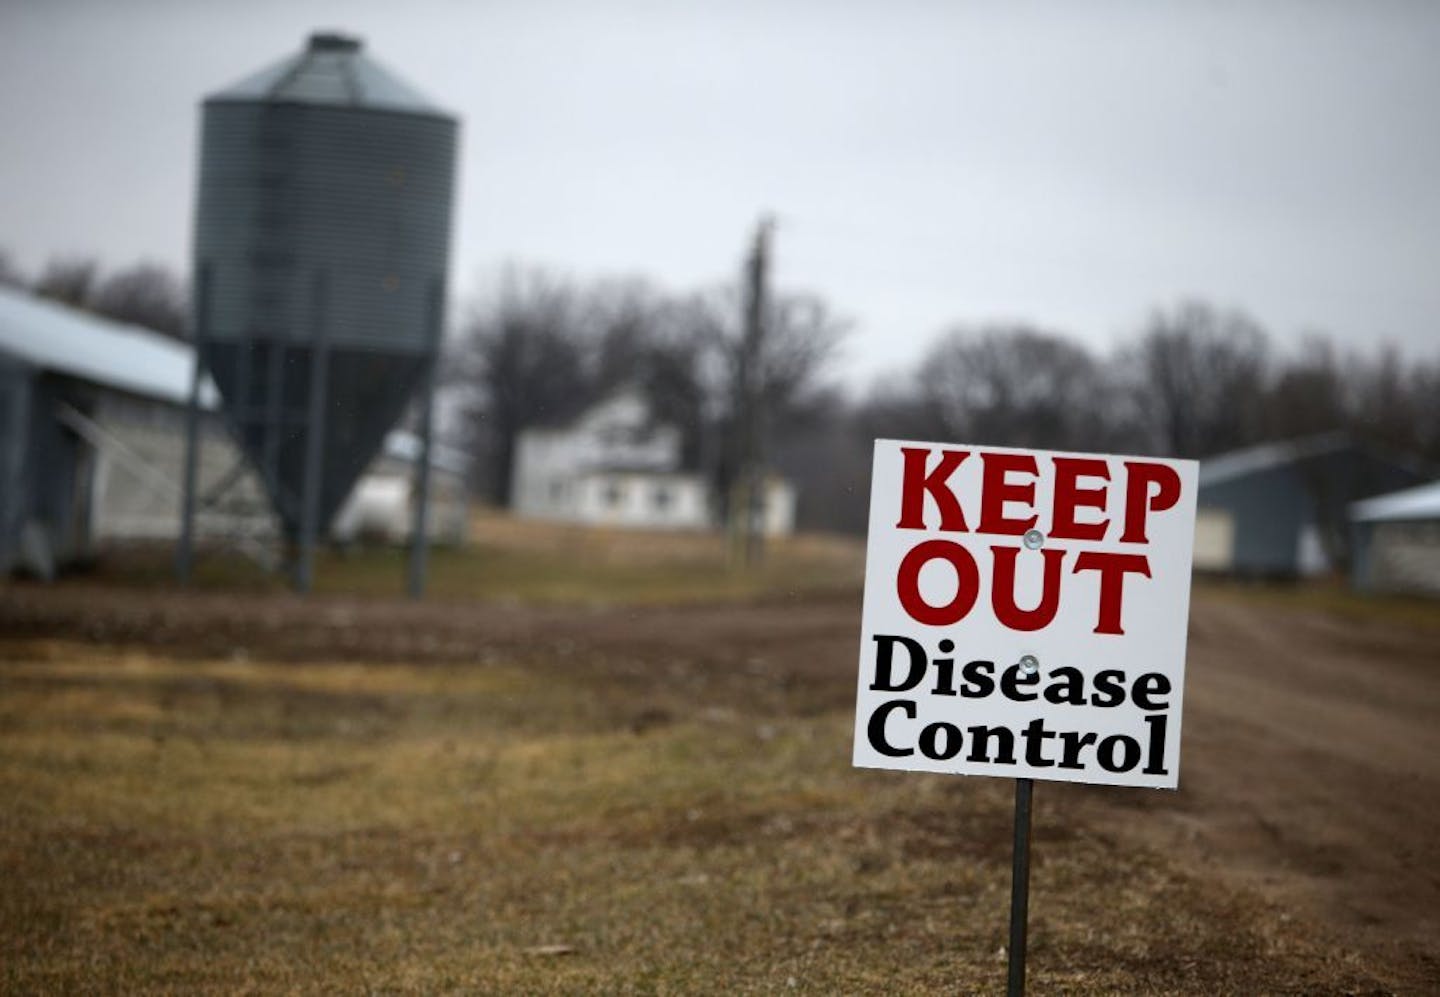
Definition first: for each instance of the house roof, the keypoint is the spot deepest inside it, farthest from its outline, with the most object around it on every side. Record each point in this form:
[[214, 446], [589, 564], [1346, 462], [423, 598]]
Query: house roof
[[53, 337], [1235, 464], [1420, 502]]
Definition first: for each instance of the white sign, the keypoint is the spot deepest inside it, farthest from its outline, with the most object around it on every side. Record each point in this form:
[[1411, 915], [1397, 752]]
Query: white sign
[[1025, 614]]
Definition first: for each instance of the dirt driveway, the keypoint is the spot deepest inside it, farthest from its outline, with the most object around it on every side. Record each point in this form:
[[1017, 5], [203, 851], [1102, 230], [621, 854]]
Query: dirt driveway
[[1311, 769], [1311, 765]]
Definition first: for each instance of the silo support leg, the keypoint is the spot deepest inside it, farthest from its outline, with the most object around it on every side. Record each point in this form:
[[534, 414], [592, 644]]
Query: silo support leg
[[420, 513], [314, 441]]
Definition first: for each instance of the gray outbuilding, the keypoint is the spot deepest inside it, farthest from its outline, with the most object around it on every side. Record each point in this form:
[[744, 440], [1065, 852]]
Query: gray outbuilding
[[1282, 509], [92, 448], [1396, 540]]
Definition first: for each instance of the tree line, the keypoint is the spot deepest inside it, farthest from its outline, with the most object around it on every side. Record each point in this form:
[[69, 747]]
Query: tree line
[[144, 294], [1193, 380], [537, 348]]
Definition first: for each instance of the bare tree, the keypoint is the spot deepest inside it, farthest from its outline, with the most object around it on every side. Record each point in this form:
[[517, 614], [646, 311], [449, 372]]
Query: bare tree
[[70, 281], [621, 321], [1199, 375], [1308, 393], [802, 339], [1388, 398], [1016, 386], [1425, 394], [145, 294], [801, 336], [682, 370], [827, 455], [10, 275], [524, 361]]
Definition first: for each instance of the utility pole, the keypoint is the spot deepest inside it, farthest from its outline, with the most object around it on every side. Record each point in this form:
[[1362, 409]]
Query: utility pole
[[748, 500]]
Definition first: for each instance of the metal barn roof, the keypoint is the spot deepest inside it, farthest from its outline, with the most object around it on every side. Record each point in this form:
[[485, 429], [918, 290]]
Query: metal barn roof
[[331, 70], [1267, 456], [1420, 502], [53, 337]]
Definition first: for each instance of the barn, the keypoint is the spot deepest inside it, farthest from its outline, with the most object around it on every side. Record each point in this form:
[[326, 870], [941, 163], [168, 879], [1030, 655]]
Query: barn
[[92, 446], [1396, 541], [1281, 509]]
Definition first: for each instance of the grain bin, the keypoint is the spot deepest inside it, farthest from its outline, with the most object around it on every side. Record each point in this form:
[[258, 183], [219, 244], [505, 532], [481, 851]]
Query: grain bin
[[321, 246]]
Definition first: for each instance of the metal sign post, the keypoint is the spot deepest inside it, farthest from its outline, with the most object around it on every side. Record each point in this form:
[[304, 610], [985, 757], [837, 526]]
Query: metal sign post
[[1020, 887]]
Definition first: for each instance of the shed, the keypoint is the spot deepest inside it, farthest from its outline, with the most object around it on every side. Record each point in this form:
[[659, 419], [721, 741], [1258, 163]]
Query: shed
[[381, 506], [1281, 509], [92, 442], [1396, 541]]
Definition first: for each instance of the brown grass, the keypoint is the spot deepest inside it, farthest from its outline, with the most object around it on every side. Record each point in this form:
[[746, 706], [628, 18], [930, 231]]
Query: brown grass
[[536, 562], [1332, 596], [605, 807], [517, 827]]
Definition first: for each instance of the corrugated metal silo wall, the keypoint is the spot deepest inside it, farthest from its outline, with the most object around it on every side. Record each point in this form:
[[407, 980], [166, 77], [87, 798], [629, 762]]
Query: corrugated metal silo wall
[[311, 214]]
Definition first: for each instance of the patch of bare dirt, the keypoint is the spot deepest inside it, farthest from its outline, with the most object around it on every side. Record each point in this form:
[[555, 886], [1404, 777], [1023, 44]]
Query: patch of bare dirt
[[1311, 771]]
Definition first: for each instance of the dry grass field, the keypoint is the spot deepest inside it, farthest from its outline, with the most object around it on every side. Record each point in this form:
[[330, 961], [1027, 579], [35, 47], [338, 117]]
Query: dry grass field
[[514, 560], [605, 764]]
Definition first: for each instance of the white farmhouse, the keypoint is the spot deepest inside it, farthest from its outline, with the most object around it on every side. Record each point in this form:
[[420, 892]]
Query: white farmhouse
[[616, 466]]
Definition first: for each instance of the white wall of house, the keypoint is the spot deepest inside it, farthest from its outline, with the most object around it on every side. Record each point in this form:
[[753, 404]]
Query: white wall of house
[[1214, 540], [612, 466], [615, 467], [651, 500], [614, 434], [776, 515]]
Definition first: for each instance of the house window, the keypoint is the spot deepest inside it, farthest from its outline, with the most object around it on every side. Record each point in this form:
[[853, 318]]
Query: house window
[[661, 498], [613, 494]]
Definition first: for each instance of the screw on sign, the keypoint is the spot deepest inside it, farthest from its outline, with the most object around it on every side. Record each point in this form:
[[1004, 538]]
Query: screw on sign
[[1025, 616]]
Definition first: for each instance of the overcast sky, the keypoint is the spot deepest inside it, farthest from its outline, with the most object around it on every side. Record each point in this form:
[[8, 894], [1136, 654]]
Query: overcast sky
[[1070, 164]]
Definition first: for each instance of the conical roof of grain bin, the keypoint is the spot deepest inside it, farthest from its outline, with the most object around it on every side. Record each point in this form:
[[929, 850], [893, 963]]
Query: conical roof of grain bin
[[323, 215]]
